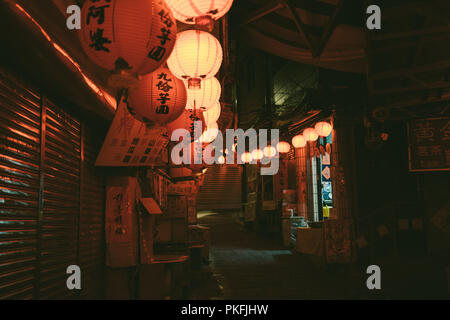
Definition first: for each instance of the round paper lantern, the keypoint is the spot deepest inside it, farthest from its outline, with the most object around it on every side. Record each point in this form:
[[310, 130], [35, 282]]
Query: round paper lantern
[[257, 154], [270, 152], [299, 141], [197, 56], [137, 35], [190, 11], [283, 147], [205, 97], [186, 121], [158, 98], [310, 134], [246, 157], [323, 129], [213, 114], [212, 130]]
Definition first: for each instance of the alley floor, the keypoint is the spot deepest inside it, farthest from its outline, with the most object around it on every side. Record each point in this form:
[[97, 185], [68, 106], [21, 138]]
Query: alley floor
[[245, 265]]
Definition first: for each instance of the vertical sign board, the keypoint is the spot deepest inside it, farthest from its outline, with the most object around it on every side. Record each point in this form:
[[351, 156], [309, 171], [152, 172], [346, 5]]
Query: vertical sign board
[[429, 144], [131, 143]]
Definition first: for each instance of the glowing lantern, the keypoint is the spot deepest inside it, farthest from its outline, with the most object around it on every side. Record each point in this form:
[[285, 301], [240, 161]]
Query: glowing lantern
[[310, 134], [283, 147], [193, 12], [221, 160], [133, 36], [270, 152], [206, 97], [246, 157], [323, 129], [159, 98], [212, 130], [186, 121], [257, 154], [299, 141], [213, 114], [197, 56]]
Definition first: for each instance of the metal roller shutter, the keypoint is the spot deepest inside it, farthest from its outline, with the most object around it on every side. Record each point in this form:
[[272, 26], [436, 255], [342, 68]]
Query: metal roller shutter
[[51, 198], [92, 219], [20, 115], [59, 226]]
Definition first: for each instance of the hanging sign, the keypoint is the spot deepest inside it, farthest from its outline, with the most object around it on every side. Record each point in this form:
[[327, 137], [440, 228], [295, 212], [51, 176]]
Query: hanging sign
[[131, 143], [429, 144]]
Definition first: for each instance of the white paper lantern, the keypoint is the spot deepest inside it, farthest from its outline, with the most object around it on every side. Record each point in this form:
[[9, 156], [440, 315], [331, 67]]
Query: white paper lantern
[[205, 97], [270, 151], [299, 141], [213, 114], [212, 130], [257, 154], [310, 134], [323, 128], [188, 11], [197, 56], [246, 157], [283, 147]]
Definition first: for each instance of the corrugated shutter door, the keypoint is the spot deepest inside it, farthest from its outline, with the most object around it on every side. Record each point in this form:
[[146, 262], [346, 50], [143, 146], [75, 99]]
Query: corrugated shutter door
[[91, 228], [20, 114], [61, 202]]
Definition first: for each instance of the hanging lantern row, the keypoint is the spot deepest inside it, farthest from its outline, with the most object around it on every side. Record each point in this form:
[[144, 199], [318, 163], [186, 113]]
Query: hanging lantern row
[[257, 154], [322, 129]]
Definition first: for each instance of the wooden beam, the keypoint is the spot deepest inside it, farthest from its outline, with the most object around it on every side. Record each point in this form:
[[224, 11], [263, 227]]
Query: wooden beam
[[258, 14], [411, 71], [298, 22], [331, 25]]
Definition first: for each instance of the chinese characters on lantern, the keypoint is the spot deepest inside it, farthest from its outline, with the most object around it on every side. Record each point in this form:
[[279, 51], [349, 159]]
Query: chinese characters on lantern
[[164, 89], [158, 52], [95, 19]]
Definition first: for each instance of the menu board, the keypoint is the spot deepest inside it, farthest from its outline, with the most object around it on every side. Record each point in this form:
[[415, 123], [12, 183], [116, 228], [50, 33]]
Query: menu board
[[131, 143], [429, 144]]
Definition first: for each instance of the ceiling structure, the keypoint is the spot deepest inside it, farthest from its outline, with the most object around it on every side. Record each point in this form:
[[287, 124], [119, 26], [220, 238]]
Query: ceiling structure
[[409, 59], [326, 33], [406, 62]]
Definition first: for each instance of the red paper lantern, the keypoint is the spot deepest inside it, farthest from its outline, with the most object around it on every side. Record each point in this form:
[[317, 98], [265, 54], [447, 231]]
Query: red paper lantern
[[159, 98], [137, 36], [186, 122]]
